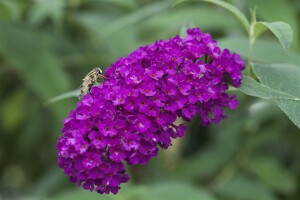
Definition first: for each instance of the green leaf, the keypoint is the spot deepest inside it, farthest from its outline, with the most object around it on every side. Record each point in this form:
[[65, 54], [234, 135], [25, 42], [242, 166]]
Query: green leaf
[[31, 55], [165, 24], [281, 10], [123, 43], [284, 78], [242, 188], [259, 28], [50, 182], [13, 110], [66, 95], [212, 159], [80, 194], [270, 171], [261, 113], [127, 192], [132, 18], [238, 14], [253, 88], [281, 30], [42, 10], [31, 133], [31, 198], [29, 52], [129, 4], [15, 10], [266, 51], [93, 21], [175, 191], [291, 109]]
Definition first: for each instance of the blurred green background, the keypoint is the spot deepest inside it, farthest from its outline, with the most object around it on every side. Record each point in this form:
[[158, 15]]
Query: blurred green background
[[48, 46]]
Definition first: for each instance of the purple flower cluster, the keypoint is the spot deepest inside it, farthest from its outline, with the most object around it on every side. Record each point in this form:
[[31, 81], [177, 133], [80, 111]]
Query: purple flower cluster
[[130, 115]]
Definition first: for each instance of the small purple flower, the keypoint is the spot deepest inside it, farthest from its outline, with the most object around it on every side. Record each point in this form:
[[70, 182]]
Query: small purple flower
[[91, 160], [154, 73], [142, 123], [132, 113], [81, 145], [108, 128], [150, 109], [148, 88], [131, 142], [180, 130], [116, 154], [97, 140]]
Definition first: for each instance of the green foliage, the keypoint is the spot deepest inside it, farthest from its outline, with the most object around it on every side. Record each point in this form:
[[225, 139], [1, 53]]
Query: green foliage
[[283, 78], [43, 10], [271, 172], [161, 191], [29, 52], [256, 89], [283, 31], [73, 93], [246, 188], [47, 47], [132, 18], [277, 10], [176, 191], [240, 16], [265, 50]]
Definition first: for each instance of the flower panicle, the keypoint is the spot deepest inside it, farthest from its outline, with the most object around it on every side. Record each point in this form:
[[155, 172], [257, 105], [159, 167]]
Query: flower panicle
[[128, 117]]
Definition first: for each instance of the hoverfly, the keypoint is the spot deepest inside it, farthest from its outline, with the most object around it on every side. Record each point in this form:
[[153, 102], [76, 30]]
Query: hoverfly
[[89, 80]]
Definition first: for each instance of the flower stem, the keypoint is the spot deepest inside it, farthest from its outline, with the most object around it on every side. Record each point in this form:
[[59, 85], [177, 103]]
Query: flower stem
[[252, 38]]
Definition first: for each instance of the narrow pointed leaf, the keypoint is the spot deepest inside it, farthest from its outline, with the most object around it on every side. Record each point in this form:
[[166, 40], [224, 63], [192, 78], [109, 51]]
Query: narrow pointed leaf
[[66, 95], [281, 30], [238, 14]]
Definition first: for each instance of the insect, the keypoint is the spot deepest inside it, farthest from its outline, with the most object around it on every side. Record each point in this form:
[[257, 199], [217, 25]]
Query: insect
[[89, 80]]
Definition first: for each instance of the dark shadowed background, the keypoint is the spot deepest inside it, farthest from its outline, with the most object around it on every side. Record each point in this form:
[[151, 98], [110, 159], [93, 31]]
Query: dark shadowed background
[[48, 46]]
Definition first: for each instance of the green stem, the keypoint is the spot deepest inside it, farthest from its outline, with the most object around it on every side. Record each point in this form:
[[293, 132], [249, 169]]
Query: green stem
[[252, 39], [251, 50]]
